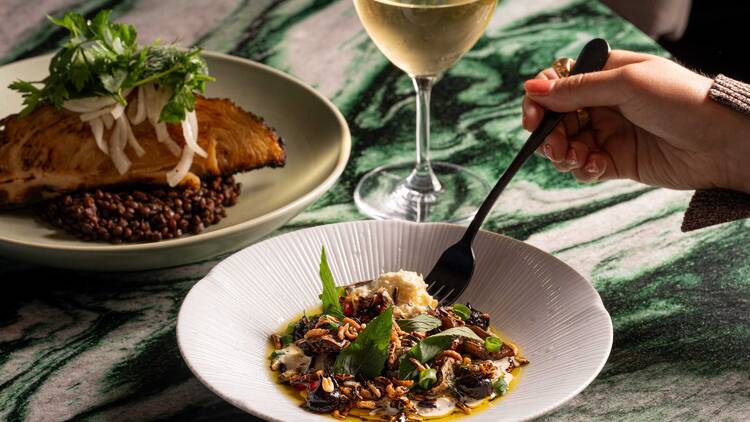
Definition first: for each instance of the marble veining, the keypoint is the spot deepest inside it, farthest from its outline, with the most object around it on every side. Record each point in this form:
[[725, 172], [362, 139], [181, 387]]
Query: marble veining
[[79, 346]]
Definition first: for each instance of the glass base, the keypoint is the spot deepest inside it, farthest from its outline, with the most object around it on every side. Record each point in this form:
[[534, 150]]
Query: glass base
[[384, 194]]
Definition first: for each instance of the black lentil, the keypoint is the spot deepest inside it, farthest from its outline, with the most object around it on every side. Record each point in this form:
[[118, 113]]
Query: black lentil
[[148, 214]]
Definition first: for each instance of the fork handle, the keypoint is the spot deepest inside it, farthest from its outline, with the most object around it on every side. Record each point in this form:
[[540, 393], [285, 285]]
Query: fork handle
[[592, 58]]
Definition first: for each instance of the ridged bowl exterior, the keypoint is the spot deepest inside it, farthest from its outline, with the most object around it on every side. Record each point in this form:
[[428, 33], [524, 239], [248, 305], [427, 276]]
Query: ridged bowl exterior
[[548, 309]]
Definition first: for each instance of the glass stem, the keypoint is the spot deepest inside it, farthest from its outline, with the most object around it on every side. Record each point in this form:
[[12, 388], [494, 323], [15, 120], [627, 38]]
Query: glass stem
[[422, 178]]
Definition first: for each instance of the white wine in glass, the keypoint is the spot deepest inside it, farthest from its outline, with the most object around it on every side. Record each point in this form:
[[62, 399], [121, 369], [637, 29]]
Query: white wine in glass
[[423, 38]]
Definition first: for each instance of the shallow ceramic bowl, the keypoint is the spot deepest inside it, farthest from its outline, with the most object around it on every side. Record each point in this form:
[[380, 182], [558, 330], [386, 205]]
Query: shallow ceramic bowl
[[317, 143], [543, 305]]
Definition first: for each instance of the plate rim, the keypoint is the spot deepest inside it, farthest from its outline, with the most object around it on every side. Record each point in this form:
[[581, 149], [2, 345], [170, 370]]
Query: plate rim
[[308, 197], [598, 305]]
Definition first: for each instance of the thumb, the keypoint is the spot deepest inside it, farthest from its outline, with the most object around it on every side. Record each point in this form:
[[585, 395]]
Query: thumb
[[596, 89]]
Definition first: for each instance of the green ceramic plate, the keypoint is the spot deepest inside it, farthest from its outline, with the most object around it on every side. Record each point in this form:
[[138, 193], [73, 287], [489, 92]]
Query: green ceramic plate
[[318, 145]]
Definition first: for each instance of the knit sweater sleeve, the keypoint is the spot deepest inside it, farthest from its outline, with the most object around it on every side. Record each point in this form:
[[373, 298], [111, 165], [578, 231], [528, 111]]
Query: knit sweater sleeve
[[715, 206]]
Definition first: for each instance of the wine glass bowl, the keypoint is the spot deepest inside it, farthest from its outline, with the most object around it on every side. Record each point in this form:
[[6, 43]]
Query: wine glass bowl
[[423, 38]]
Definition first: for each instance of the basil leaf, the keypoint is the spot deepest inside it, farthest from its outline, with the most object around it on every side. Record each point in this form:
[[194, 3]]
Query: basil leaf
[[330, 295], [367, 354], [457, 332], [422, 323], [427, 349]]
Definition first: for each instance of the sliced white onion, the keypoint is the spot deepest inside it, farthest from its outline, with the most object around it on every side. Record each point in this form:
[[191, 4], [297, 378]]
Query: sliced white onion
[[105, 112], [140, 116], [117, 142], [97, 127], [175, 176], [85, 117], [190, 133], [117, 111], [131, 137], [88, 104]]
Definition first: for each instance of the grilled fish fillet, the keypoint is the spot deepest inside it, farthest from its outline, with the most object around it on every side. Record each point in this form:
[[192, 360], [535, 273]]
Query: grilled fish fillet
[[52, 151]]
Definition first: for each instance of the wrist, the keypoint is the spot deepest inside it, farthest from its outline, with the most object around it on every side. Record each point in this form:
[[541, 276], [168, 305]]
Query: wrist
[[733, 146]]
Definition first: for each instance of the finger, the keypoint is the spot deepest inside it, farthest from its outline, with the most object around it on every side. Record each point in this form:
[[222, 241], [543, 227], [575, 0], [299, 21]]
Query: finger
[[532, 114], [570, 122], [620, 58], [556, 145], [587, 138], [599, 166], [547, 74], [605, 88], [578, 154], [575, 157]]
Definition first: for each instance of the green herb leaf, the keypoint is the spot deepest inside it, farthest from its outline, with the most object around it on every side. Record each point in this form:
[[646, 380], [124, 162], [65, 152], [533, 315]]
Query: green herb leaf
[[330, 295], [427, 349], [427, 378], [462, 311], [367, 354], [500, 386], [287, 339], [492, 344], [456, 332], [421, 323], [102, 58]]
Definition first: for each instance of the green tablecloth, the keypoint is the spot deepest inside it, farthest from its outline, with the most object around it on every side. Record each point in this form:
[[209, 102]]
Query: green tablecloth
[[102, 346]]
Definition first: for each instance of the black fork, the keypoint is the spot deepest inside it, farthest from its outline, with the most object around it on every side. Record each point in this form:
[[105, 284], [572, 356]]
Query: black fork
[[452, 272]]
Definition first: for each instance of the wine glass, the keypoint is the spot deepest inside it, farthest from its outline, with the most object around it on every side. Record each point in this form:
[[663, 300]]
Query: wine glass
[[423, 38]]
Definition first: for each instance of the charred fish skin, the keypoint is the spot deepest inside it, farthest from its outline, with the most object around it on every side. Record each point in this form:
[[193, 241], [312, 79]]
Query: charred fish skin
[[51, 152]]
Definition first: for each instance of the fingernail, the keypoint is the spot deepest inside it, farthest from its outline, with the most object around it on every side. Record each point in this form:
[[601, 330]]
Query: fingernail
[[592, 168], [572, 158], [548, 151], [538, 86]]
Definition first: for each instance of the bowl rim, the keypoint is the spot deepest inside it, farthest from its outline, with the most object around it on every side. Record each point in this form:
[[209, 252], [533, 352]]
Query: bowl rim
[[598, 304], [342, 160]]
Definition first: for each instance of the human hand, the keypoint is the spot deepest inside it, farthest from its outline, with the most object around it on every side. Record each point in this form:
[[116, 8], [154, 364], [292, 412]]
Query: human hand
[[651, 121]]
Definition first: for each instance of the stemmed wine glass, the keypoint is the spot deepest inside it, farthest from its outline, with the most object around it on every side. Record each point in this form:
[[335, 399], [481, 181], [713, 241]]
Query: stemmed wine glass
[[423, 38]]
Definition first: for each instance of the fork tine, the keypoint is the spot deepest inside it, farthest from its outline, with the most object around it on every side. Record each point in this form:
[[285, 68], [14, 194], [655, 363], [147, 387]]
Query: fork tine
[[451, 297], [444, 299], [435, 291]]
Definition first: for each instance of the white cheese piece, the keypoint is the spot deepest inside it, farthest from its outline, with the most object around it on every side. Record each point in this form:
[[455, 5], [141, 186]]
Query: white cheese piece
[[412, 297], [293, 359]]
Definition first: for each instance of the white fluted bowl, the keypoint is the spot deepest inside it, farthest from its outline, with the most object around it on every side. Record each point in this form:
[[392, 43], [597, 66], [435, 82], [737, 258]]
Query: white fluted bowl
[[543, 305]]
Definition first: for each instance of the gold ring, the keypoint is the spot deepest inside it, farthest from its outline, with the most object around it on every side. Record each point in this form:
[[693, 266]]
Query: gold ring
[[562, 68]]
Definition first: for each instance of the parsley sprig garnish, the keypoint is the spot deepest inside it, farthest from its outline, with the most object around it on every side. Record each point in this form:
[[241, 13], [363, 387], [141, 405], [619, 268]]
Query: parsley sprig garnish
[[103, 58]]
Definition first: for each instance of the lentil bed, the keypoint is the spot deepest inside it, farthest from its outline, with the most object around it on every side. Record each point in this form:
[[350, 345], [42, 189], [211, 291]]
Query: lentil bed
[[146, 214]]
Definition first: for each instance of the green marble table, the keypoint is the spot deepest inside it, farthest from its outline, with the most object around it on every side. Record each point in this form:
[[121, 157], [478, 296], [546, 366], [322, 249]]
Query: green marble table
[[102, 346]]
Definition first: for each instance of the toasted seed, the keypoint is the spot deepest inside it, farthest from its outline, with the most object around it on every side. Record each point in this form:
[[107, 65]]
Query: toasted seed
[[365, 404], [374, 390], [276, 340], [450, 354], [352, 323], [327, 384], [403, 383], [342, 331], [316, 332]]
